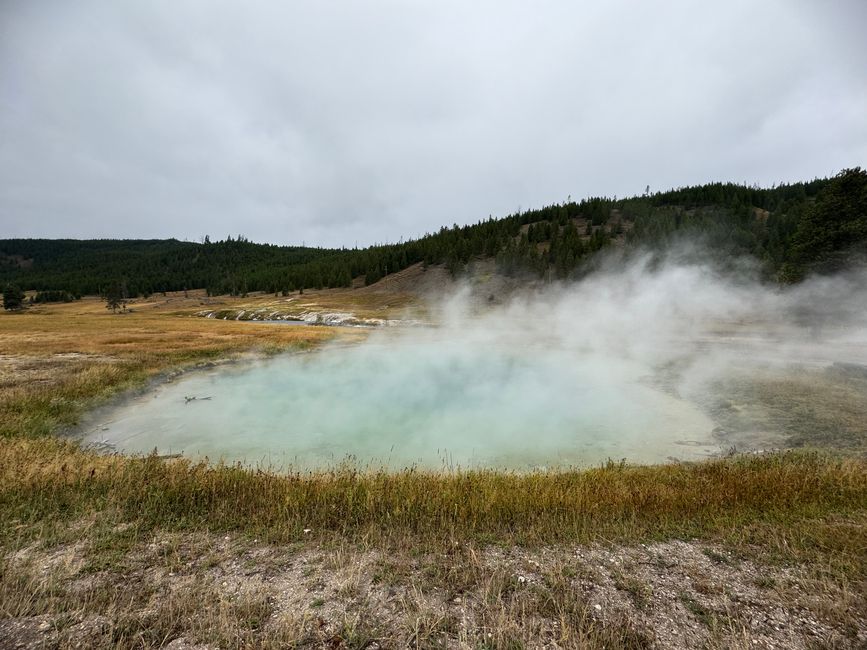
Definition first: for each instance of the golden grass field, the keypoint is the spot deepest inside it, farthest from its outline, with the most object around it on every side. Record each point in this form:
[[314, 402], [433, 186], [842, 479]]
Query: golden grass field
[[107, 551], [60, 357]]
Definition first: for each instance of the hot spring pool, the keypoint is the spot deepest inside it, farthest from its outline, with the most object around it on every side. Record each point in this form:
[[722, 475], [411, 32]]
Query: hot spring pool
[[431, 403]]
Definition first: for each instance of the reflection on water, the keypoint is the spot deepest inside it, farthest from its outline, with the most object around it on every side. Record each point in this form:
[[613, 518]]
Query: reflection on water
[[425, 402]]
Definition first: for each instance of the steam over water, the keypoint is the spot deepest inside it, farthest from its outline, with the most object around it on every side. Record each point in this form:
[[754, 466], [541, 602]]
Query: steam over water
[[622, 365], [424, 402]]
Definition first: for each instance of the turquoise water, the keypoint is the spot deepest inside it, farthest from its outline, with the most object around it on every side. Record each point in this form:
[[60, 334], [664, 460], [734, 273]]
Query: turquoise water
[[414, 401]]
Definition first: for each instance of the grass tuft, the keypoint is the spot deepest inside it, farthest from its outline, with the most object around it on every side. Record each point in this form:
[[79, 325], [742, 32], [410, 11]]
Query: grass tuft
[[50, 480]]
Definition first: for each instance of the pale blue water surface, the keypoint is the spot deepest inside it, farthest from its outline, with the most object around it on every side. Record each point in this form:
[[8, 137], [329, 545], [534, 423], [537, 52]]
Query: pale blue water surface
[[430, 402]]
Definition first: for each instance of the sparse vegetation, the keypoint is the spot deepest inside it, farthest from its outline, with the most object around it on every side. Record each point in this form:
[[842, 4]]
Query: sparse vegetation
[[230, 591]]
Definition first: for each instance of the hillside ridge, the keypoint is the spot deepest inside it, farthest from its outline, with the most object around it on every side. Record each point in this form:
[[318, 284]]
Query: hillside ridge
[[790, 229]]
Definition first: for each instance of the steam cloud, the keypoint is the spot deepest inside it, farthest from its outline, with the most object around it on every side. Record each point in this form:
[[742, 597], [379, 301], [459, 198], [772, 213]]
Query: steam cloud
[[632, 362]]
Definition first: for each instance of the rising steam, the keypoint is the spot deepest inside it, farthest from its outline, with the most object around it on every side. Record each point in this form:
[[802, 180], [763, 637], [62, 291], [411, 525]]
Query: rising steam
[[645, 360]]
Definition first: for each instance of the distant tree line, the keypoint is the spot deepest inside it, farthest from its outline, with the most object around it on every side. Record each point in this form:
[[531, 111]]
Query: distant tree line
[[54, 295], [791, 229]]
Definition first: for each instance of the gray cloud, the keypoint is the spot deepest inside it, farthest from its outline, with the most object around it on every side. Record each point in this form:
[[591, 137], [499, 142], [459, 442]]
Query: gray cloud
[[335, 122]]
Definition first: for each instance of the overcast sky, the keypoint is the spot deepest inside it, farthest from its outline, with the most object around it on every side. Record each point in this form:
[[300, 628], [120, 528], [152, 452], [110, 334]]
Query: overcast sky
[[336, 123]]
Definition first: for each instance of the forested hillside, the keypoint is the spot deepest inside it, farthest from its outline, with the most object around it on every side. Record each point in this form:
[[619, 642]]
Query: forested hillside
[[234, 265], [790, 229]]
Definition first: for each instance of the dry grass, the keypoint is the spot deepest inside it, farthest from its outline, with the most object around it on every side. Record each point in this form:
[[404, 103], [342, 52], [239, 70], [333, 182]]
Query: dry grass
[[106, 613], [364, 303], [110, 613], [230, 593], [49, 480], [59, 359], [77, 528]]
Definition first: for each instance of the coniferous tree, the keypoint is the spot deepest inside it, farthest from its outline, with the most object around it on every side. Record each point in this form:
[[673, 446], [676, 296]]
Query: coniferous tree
[[116, 296], [13, 298], [779, 226], [832, 227]]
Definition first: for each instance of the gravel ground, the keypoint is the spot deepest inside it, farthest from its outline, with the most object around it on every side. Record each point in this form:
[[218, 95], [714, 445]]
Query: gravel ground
[[186, 592]]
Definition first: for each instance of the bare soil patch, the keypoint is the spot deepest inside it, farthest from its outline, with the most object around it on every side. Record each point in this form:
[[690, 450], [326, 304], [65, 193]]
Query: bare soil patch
[[206, 591]]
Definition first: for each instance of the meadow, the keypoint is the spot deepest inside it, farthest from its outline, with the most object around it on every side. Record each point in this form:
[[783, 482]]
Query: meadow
[[114, 551]]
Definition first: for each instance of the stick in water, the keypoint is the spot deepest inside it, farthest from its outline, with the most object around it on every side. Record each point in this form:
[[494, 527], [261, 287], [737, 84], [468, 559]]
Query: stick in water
[[187, 399]]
